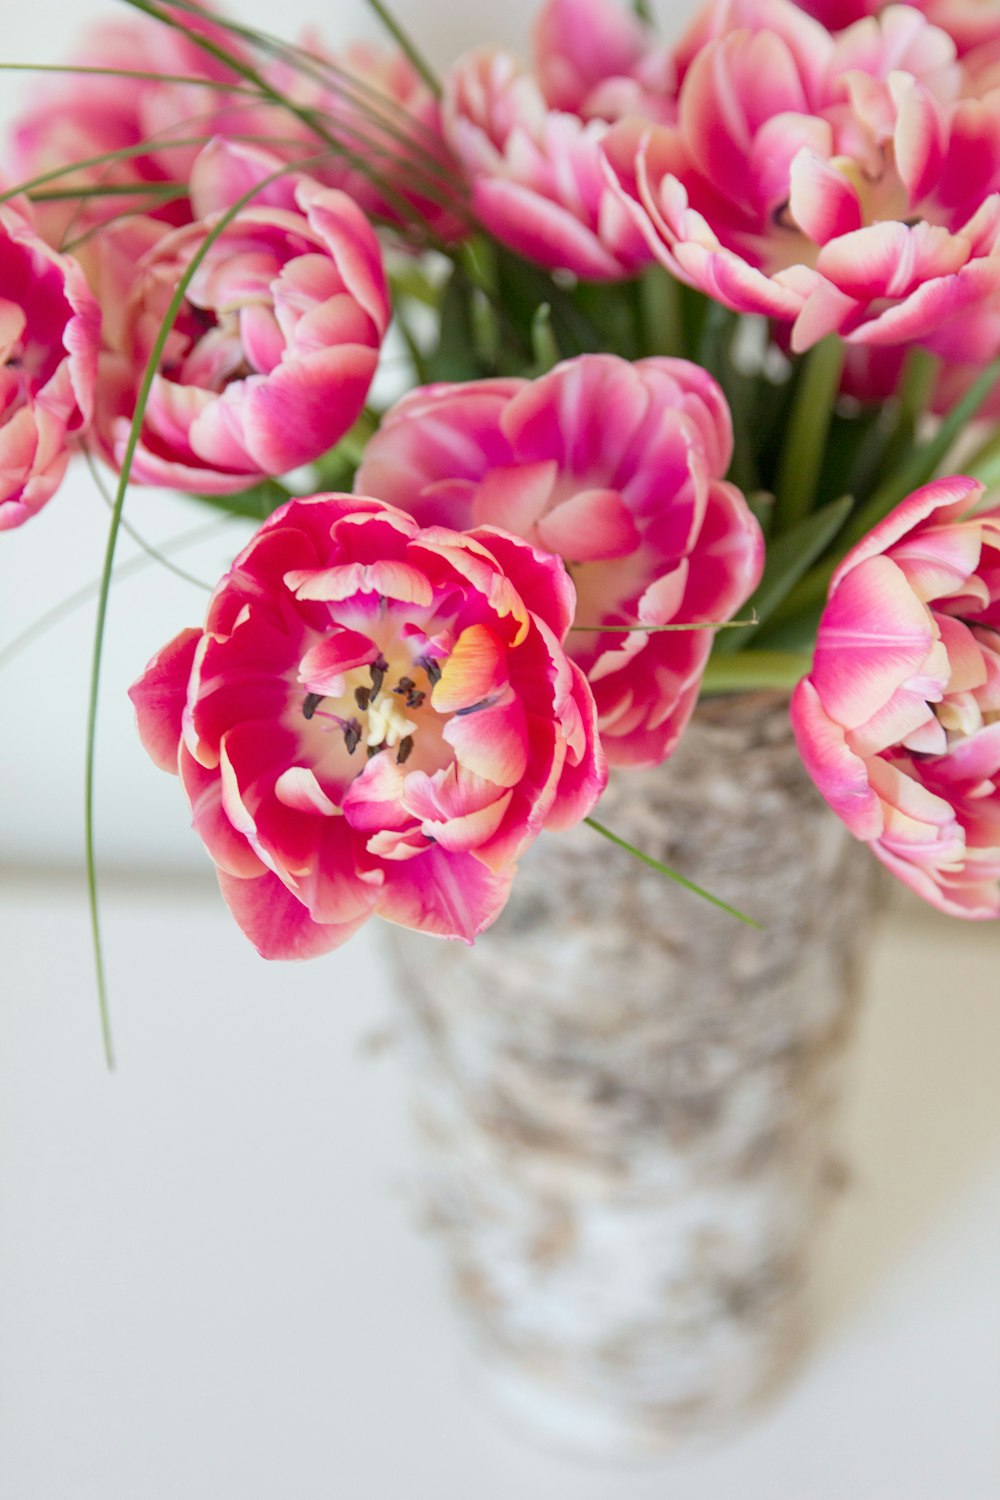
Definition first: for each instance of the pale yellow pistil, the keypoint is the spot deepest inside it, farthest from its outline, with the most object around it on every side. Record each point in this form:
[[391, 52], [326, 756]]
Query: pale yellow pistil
[[387, 723]]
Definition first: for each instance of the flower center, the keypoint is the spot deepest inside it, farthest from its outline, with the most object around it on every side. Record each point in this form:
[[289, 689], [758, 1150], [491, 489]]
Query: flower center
[[382, 707]]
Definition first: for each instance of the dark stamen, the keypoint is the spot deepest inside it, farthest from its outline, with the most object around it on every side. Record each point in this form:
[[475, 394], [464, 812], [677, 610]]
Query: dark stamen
[[373, 750], [404, 685], [312, 702], [379, 667], [432, 669], [352, 735], [414, 699], [405, 750], [362, 697]]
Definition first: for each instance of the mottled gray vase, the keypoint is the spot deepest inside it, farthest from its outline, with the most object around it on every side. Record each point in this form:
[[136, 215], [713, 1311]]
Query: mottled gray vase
[[628, 1099]]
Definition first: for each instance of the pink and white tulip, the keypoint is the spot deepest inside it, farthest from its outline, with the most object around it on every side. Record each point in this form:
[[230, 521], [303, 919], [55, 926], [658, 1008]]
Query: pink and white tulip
[[617, 468], [898, 721], [529, 139], [275, 347], [837, 183], [377, 719], [49, 338], [971, 24]]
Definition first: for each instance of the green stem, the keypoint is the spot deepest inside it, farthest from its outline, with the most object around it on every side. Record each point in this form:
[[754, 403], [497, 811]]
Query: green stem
[[661, 317], [662, 869], [755, 671], [812, 410], [128, 457], [924, 463]]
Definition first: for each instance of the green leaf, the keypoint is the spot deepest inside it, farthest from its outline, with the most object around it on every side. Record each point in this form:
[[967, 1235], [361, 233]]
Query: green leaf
[[662, 869], [756, 671], [257, 502], [788, 558]]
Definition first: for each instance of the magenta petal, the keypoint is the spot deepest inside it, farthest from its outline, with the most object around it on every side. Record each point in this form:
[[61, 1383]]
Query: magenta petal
[[159, 697], [322, 667], [874, 635], [491, 742], [277, 923], [840, 775], [590, 524], [450, 895]]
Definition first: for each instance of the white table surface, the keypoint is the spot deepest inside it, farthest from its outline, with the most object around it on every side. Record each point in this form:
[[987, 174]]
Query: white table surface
[[213, 1287]]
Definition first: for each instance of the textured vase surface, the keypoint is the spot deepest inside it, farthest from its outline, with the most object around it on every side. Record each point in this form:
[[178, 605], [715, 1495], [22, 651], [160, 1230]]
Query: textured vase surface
[[628, 1100]]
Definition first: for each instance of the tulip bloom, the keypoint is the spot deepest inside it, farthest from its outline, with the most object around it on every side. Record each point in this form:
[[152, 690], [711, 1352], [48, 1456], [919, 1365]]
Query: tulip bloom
[[376, 719], [898, 721], [271, 357], [529, 140], [617, 467], [49, 335], [856, 193]]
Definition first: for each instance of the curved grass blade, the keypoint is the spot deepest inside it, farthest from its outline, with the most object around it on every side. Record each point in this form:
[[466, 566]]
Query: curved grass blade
[[656, 629], [155, 554], [675, 875], [128, 457], [106, 158], [137, 73], [308, 116]]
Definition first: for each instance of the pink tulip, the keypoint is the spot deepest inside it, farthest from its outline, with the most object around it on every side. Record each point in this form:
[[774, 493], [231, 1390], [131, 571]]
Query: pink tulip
[[618, 469], [49, 336], [970, 23], [837, 183], [899, 720], [82, 115], [376, 719], [595, 59], [270, 360], [529, 141]]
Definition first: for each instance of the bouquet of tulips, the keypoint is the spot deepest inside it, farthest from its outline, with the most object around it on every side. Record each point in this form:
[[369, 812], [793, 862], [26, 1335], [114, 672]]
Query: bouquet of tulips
[[691, 330]]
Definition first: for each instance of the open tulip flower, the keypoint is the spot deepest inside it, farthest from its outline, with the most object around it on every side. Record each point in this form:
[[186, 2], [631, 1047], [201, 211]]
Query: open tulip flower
[[49, 334], [376, 719], [899, 719], [843, 183], [529, 140], [617, 468], [272, 355]]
